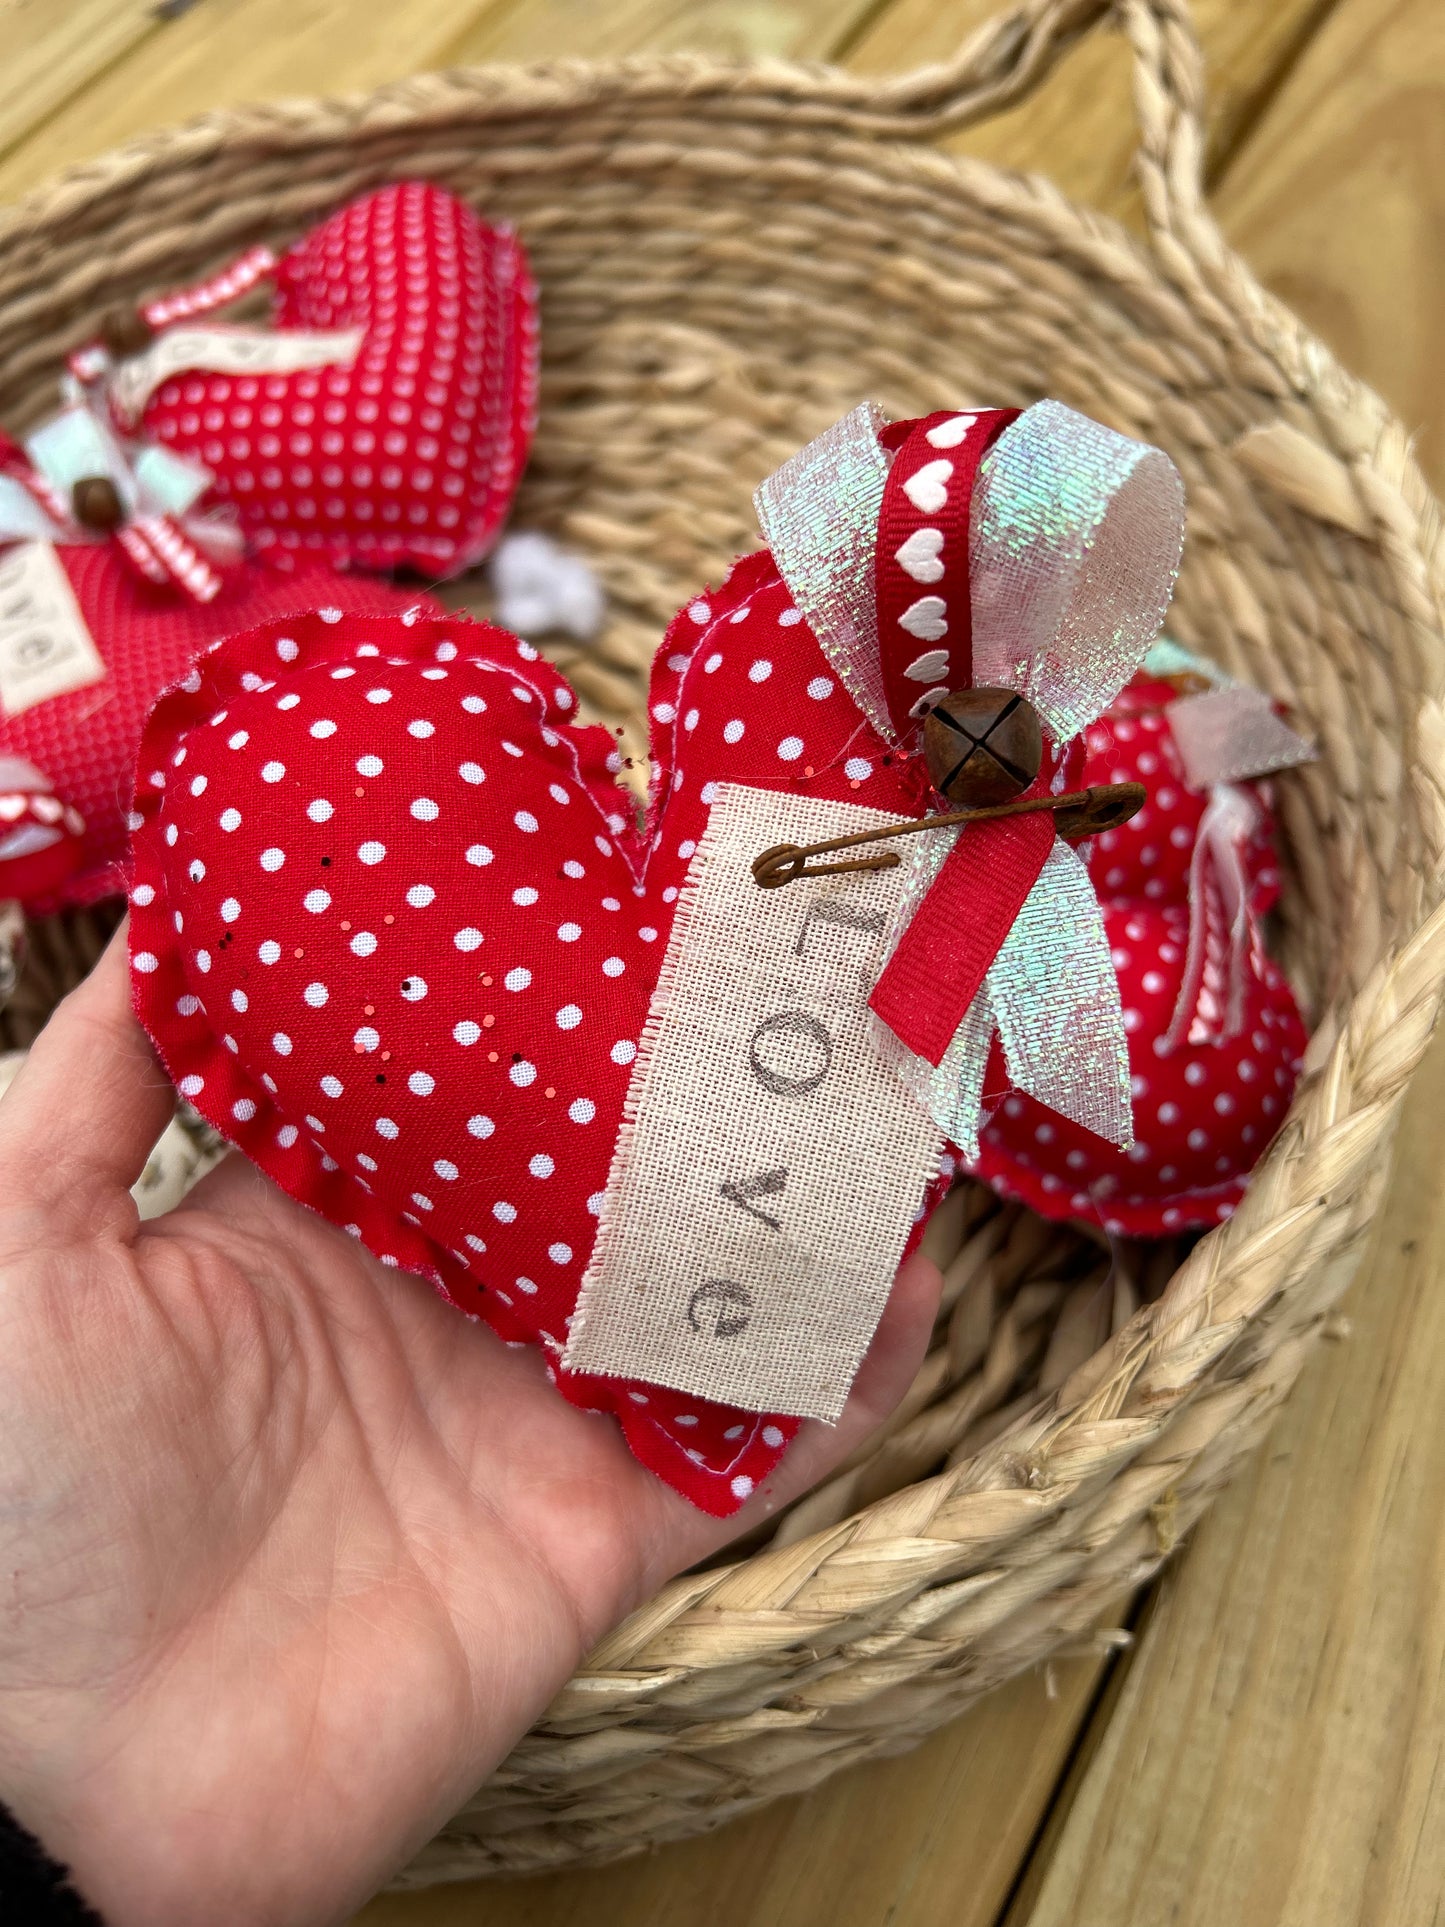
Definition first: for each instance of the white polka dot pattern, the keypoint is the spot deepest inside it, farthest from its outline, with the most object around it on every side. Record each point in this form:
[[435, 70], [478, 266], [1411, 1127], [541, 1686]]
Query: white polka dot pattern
[[88, 749], [450, 1008], [410, 456], [1204, 1110]]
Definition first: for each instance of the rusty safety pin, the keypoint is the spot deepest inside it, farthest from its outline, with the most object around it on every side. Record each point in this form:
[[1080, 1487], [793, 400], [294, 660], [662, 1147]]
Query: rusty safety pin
[[1078, 813]]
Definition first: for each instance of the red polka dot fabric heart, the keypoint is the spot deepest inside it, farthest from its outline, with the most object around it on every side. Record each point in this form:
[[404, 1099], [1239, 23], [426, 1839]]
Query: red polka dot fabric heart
[[1206, 1103], [395, 935], [1149, 857], [85, 739], [410, 456]]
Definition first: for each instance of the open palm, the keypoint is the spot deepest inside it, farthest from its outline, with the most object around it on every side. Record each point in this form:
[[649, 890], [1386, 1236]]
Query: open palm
[[290, 1553]]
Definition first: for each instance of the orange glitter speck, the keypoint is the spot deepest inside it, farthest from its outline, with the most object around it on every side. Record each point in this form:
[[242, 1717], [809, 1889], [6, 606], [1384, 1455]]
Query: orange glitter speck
[[298, 953], [808, 769], [486, 980], [388, 919], [551, 1091], [368, 1010], [491, 1057], [386, 1057], [854, 783], [359, 1049], [346, 923], [359, 790], [488, 1021]]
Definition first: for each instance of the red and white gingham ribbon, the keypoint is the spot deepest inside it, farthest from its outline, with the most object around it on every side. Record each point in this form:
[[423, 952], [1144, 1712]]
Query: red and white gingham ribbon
[[161, 537]]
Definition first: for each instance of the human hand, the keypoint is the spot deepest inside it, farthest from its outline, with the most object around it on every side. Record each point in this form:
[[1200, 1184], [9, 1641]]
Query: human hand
[[291, 1554]]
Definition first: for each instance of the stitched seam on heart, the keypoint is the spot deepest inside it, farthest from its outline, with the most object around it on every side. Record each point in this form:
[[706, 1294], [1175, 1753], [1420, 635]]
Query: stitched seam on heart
[[657, 808]]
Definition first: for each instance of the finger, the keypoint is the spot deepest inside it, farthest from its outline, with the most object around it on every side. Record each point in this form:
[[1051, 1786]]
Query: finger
[[889, 1368], [86, 1110]]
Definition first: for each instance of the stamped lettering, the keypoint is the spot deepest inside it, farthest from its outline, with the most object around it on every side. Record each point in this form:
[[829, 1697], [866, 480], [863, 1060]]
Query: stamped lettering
[[743, 1191], [46, 648], [758, 1205]]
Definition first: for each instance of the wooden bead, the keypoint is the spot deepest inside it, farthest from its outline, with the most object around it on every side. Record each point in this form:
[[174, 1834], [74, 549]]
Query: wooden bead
[[125, 332], [982, 746], [96, 504]]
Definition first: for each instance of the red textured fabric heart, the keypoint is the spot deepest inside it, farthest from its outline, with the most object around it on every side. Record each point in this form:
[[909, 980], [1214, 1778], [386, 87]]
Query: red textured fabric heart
[[85, 740], [1203, 1112], [409, 457]]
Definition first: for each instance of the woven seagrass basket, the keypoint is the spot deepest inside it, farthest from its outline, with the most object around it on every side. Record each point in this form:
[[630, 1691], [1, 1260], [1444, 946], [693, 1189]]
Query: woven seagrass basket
[[731, 257]]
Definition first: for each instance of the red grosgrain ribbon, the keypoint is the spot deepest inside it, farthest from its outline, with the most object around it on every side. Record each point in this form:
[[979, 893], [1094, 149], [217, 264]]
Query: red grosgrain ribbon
[[925, 624], [256, 265], [944, 955], [158, 548]]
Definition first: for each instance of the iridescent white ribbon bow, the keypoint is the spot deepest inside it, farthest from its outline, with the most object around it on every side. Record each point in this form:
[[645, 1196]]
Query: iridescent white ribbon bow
[[1074, 545]]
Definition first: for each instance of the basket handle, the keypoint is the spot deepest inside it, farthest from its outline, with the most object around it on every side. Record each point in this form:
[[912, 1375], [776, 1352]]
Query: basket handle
[[1009, 58]]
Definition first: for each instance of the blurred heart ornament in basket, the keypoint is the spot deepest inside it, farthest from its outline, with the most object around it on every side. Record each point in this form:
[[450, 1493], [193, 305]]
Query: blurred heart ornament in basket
[[592, 1080], [383, 419], [1216, 1038], [114, 575]]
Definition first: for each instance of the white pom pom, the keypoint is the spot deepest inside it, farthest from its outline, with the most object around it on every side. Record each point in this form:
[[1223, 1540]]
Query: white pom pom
[[542, 589]]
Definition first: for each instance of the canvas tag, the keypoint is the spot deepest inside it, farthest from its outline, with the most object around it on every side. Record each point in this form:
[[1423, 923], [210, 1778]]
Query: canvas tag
[[45, 647], [229, 351], [770, 1163]]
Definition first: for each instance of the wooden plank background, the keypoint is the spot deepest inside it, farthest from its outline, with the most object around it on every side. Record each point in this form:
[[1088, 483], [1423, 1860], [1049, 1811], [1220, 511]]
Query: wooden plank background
[[1270, 1751]]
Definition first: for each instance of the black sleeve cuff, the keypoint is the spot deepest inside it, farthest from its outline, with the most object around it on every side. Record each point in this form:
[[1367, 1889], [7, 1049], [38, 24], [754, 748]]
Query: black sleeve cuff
[[34, 1891]]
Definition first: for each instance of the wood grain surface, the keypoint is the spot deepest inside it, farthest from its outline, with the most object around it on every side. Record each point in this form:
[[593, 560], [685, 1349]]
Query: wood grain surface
[[1274, 1753], [1271, 1751]]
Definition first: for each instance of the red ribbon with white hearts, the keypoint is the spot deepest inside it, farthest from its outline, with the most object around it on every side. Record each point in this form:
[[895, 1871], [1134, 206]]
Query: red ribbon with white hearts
[[925, 648]]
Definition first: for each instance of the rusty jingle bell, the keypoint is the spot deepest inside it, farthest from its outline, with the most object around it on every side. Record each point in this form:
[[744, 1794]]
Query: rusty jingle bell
[[982, 746]]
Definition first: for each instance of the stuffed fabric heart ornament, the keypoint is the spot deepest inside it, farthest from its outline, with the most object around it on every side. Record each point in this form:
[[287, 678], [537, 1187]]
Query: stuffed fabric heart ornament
[[1216, 1039], [89, 637], [86, 738], [404, 448], [395, 935]]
